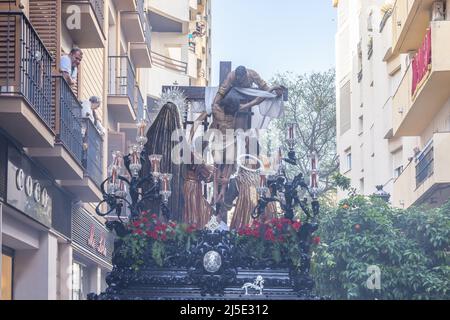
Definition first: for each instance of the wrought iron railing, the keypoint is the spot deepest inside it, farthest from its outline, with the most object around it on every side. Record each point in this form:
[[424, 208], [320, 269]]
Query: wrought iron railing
[[25, 64], [68, 111], [122, 78], [139, 103], [169, 63], [93, 152], [99, 7], [425, 165], [147, 32]]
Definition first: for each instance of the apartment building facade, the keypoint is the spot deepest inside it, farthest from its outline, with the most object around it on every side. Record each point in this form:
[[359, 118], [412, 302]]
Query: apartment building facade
[[388, 135], [52, 160]]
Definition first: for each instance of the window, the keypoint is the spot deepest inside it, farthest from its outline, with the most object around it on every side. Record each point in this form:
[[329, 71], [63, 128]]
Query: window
[[370, 22], [348, 159], [80, 285], [7, 274], [345, 108], [361, 125], [361, 186], [398, 172]]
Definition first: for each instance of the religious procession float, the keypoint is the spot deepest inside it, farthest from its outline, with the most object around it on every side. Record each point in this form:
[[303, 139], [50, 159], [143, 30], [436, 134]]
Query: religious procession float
[[203, 215]]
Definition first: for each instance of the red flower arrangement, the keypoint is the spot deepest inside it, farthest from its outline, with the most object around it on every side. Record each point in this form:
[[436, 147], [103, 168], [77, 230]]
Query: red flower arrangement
[[275, 230], [151, 227]]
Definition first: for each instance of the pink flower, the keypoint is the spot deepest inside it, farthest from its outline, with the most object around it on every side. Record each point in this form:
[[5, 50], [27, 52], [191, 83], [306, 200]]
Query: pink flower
[[152, 234], [268, 235], [316, 240], [136, 224], [296, 225]]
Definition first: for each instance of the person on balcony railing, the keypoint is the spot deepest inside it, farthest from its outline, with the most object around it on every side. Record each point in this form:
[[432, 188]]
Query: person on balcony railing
[[89, 111], [69, 65]]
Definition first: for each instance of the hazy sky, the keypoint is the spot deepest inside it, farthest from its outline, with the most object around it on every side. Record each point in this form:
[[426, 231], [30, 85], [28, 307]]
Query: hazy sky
[[273, 35]]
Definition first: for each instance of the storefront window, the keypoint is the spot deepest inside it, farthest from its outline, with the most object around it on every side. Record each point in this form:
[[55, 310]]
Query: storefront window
[[7, 274], [79, 282]]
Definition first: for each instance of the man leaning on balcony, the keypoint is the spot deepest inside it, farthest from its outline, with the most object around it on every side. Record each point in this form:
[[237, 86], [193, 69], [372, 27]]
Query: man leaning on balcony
[[69, 65]]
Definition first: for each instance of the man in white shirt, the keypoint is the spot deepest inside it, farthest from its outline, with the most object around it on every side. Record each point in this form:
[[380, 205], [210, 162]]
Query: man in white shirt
[[69, 65]]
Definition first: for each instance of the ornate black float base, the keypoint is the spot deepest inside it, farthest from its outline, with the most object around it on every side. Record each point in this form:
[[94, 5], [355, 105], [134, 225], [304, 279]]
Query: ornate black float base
[[177, 284]]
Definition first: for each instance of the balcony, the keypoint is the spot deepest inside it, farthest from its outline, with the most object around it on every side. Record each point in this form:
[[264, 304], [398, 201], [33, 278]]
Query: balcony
[[172, 10], [88, 31], [410, 19], [193, 64], [169, 63], [121, 89], [427, 180], [125, 5], [139, 103], [424, 89], [133, 23], [140, 51], [26, 111], [64, 160], [88, 189]]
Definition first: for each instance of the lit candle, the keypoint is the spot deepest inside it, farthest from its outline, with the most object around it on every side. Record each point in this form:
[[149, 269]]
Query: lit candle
[[155, 161], [314, 172], [113, 174], [166, 179], [291, 131], [141, 128], [135, 156], [262, 181]]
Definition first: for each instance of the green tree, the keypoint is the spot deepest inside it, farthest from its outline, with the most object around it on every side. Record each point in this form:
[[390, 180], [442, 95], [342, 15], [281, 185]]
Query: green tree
[[311, 108], [411, 248]]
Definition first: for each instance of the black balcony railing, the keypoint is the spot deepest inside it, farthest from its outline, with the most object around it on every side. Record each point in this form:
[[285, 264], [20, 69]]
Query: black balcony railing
[[25, 64], [425, 165], [99, 7], [122, 78], [169, 63], [68, 110], [93, 153], [147, 32], [139, 103]]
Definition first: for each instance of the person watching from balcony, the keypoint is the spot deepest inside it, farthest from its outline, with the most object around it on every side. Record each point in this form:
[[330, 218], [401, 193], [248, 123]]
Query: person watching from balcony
[[89, 111], [69, 65]]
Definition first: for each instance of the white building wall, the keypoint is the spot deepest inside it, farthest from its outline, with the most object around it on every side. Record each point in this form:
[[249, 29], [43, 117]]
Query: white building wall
[[371, 99], [35, 271]]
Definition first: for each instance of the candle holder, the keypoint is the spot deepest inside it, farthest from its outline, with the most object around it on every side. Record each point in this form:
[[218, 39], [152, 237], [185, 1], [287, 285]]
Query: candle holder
[[155, 164], [286, 193], [262, 188], [314, 185], [136, 189], [135, 165], [166, 190], [141, 137]]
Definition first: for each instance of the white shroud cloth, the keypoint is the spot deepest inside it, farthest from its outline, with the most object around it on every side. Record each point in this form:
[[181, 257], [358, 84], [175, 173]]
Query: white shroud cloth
[[271, 108]]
